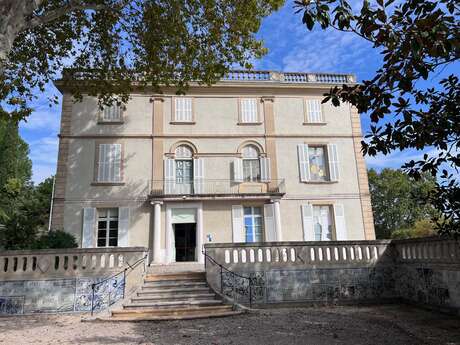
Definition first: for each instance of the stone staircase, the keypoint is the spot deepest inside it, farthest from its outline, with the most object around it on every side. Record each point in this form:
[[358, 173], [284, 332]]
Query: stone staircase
[[173, 296]]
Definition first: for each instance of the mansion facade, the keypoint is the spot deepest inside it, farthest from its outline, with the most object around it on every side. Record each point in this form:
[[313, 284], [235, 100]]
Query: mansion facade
[[254, 158]]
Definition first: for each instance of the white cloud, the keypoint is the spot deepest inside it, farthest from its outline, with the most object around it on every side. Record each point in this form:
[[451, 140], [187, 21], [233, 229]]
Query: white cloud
[[43, 153]]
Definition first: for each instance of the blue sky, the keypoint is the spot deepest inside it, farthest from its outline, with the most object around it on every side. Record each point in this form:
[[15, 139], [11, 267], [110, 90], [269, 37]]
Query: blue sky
[[291, 48]]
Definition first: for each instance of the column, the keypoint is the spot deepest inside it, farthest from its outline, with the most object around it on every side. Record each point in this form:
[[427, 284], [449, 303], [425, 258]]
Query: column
[[199, 234], [279, 234], [169, 239], [157, 231]]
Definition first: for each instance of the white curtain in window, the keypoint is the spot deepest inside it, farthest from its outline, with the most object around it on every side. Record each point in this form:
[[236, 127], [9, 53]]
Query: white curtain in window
[[109, 163]]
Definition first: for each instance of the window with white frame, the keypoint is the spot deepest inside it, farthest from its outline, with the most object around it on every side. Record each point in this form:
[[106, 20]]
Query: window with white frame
[[112, 113], [253, 224], [322, 223], [109, 163], [107, 227], [184, 165], [317, 163], [251, 163], [314, 111], [183, 109], [249, 111]]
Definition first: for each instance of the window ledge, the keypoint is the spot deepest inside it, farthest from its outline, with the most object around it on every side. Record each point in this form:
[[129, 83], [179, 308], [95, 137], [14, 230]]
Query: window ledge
[[319, 182], [182, 122], [315, 123], [249, 123], [101, 122], [96, 183]]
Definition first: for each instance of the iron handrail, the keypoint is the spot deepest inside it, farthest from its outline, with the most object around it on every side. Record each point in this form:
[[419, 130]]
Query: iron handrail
[[222, 268], [130, 267]]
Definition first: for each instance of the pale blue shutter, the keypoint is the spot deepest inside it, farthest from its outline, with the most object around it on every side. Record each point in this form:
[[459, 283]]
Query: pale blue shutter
[[269, 223], [333, 157], [238, 224], [304, 164], [238, 170], [265, 173], [89, 220], [198, 175], [170, 176], [123, 227], [340, 224], [307, 222]]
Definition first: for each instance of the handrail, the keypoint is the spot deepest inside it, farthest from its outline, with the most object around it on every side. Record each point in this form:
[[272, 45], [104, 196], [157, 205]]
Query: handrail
[[130, 267], [222, 267]]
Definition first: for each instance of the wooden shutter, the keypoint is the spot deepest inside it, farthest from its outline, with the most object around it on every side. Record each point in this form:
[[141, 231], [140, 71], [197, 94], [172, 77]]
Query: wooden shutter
[[307, 222], [314, 111], [102, 169], [248, 108], [265, 173], [238, 170], [198, 175], [116, 163], [333, 158], [123, 227], [269, 223], [89, 222], [304, 164], [238, 224], [340, 225], [170, 175], [183, 109]]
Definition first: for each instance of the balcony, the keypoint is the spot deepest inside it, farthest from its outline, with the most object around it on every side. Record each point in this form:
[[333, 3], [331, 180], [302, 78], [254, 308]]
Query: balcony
[[212, 188]]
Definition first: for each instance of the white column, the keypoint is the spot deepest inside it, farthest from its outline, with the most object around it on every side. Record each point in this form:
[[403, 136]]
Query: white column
[[157, 232], [199, 234], [279, 233], [169, 234]]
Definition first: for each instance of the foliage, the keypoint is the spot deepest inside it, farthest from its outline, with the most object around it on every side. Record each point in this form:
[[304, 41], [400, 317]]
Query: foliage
[[122, 45], [421, 228], [417, 39], [55, 239], [399, 201]]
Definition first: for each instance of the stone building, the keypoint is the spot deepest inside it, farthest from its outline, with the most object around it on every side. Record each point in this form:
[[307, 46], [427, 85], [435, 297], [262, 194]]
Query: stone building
[[256, 157]]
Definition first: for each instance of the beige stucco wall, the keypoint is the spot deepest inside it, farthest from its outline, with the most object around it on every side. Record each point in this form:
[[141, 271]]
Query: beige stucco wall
[[217, 136]]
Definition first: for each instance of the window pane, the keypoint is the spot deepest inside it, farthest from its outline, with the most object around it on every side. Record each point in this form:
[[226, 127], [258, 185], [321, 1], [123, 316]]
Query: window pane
[[322, 221], [247, 210], [113, 224], [113, 233], [317, 163], [101, 242], [102, 213], [257, 210], [113, 242], [102, 224]]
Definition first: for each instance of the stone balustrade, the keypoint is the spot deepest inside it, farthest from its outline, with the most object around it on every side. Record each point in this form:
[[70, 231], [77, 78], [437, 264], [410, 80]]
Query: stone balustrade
[[66, 263], [431, 250]]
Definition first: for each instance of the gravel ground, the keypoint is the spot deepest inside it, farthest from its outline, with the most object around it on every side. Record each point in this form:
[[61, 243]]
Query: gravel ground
[[391, 324]]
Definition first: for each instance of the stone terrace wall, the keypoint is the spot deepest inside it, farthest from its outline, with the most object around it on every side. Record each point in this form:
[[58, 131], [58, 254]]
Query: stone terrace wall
[[338, 272], [60, 280]]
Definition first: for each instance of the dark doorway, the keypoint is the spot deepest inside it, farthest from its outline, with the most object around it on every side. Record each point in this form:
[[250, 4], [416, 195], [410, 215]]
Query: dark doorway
[[185, 238]]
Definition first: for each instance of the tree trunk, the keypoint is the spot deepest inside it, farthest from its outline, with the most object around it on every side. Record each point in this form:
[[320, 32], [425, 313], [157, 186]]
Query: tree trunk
[[13, 19]]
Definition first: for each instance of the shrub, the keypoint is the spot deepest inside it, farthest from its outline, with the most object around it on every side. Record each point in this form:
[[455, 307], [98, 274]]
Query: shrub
[[56, 239]]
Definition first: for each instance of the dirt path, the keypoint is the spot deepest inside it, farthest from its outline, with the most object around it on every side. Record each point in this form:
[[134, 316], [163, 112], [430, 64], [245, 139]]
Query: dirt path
[[392, 325]]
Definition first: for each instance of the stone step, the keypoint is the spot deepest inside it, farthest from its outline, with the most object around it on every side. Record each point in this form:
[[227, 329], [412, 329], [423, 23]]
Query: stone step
[[176, 276], [175, 268], [174, 283], [173, 290], [182, 316], [179, 297], [173, 303], [171, 311]]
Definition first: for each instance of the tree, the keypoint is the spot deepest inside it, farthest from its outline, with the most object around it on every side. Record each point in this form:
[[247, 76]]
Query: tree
[[399, 201], [119, 45], [417, 39]]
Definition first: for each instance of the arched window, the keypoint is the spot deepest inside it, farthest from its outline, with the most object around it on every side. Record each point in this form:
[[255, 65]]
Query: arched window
[[184, 165], [251, 163]]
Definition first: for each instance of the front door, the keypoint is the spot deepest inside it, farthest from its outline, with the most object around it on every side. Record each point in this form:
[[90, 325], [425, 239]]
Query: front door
[[185, 241]]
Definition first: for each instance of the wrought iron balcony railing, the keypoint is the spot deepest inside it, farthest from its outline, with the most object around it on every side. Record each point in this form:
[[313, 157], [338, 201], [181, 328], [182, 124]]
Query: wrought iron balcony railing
[[215, 187]]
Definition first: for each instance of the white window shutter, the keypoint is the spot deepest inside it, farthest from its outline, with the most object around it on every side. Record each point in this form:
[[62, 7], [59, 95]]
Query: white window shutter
[[307, 222], [183, 109], [117, 163], [304, 163], [265, 173], [123, 227], [269, 223], [333, 158], [238, 170], [89, 220], [170, 175], [198, 175], [340, 224], [314, 111], [238, 224]]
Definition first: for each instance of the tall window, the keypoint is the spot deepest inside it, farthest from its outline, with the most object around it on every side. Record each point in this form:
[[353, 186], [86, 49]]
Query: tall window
[[253, 224], [107, 227], [112, 113], [318, 166], [322, 222], [249, 112], [314, 111], [184, 166], [109, 163], [251, 163], [183, 109]]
